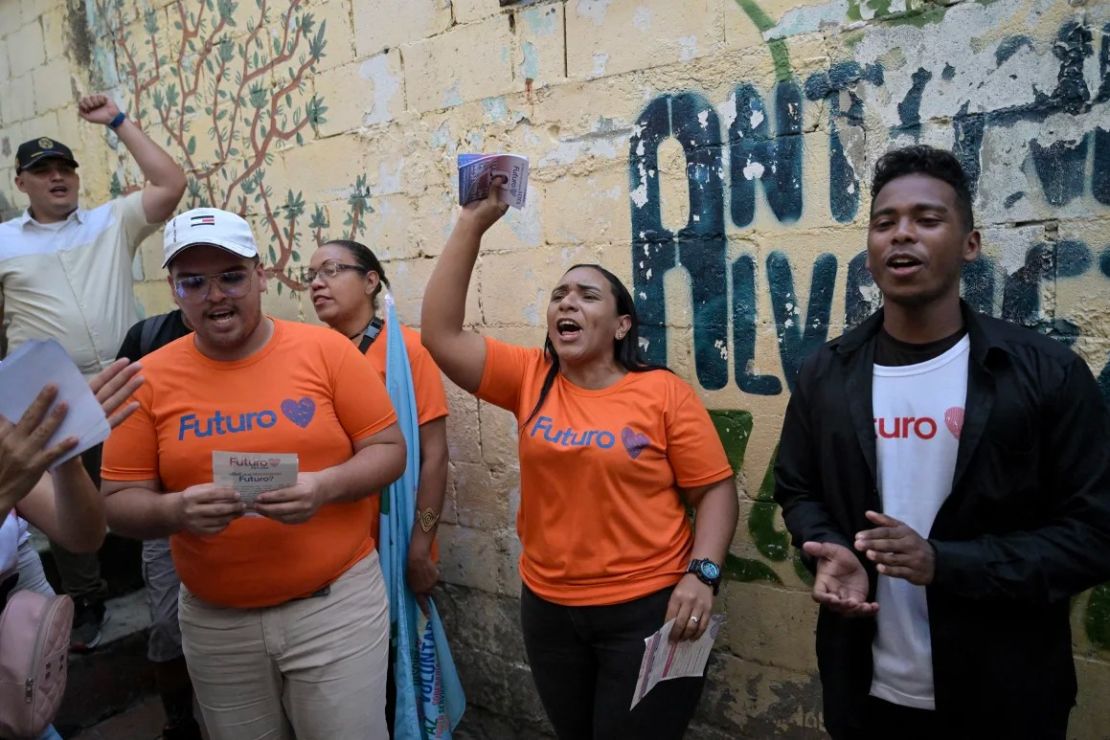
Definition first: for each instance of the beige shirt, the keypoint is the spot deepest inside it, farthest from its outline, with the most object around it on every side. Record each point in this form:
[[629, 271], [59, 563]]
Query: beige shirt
[[72, 280]]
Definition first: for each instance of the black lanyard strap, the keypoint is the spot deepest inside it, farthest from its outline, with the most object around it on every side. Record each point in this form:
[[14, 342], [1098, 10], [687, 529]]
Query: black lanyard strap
[[371, 333]]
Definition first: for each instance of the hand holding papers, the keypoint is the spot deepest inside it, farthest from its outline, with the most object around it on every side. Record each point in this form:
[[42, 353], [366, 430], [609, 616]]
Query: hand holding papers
[[34, 366], [477, 170], [664, 659]]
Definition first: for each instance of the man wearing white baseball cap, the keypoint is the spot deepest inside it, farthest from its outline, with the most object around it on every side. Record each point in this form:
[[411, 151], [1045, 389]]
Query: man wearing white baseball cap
[[283, 614]]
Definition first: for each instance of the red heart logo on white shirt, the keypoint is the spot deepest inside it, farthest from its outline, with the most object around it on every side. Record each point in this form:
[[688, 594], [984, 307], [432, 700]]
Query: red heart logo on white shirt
[[954, 420]]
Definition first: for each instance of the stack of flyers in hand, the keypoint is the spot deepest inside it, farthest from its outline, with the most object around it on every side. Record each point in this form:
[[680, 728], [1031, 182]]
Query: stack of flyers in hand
[[252, 473], [25, 372], [664, 659], [476, 171]]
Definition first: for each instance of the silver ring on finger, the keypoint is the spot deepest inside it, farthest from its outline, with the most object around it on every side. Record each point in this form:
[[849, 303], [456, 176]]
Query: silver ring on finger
[[695, 620]]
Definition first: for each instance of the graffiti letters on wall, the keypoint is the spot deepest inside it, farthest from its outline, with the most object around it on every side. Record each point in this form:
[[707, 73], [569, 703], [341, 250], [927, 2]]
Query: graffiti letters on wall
[[763, 146], [752, 147]]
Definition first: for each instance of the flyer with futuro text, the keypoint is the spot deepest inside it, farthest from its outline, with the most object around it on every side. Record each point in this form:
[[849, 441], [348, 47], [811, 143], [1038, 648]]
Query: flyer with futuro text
[[252, 473], [664, 659]]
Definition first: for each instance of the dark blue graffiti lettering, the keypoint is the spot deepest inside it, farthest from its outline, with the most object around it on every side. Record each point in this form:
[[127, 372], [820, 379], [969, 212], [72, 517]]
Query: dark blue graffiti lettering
[[797, 341], [1060, 167], [968, 143], [770, 153], [909, 110], [842, 77], [744, 330], [775, 161], [1021, 300], [1010, 46], [1071, 95], [978, 284], [699, 246], [856, 308], [1100, 175]]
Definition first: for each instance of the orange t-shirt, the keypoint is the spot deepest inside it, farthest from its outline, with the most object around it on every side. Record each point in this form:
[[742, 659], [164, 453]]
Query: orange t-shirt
[[431, 400], [427, 387], [307, 391], [601, 517]]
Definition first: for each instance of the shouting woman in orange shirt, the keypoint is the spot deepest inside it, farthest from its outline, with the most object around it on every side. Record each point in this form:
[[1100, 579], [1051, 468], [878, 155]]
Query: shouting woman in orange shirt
[[612, 451]]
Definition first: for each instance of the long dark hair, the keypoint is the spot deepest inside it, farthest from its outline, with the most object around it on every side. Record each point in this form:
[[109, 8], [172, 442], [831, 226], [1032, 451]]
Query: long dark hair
[[626, 350], [367, 262]]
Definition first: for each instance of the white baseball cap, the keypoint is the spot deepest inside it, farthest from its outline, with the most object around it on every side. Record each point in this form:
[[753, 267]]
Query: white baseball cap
[[208, 226]]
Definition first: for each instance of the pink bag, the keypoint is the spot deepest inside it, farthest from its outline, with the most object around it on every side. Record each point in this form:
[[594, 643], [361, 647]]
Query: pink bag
[[34, 648]]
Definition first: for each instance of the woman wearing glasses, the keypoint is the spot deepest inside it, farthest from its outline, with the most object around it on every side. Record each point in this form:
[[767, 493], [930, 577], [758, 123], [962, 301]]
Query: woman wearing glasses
[[345, 278]]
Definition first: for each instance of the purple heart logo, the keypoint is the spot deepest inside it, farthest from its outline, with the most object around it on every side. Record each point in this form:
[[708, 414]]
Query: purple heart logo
[[299, 412], [634, 442]]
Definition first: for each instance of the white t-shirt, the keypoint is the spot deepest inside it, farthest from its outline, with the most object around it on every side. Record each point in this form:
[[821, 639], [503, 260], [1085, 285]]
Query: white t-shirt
[[71, 280], [918, 418]]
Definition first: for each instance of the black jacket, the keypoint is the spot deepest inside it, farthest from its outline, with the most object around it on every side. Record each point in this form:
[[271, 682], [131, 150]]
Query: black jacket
[[1025, 527]]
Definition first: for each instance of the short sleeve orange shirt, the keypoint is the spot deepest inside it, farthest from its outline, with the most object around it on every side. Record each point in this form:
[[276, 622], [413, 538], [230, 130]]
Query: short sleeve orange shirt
[[427, 385], [601, 519], [307, 391], [431, 400]]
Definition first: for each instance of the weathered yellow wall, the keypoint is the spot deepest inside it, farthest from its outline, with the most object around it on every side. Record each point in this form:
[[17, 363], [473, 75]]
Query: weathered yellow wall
[[711, 152]]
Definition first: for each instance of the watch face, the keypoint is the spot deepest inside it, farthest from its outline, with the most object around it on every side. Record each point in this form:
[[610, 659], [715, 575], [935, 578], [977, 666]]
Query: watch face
[[710, 570]]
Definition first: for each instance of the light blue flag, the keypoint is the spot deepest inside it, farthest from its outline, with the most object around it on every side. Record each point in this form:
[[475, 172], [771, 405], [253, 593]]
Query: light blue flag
[[430, 700]]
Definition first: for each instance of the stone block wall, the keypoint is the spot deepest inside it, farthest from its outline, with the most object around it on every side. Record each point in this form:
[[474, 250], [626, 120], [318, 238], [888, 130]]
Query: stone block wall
[[714, 153]]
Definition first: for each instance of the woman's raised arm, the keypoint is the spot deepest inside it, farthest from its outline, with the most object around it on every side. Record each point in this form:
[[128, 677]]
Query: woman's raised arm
[[461, 354]]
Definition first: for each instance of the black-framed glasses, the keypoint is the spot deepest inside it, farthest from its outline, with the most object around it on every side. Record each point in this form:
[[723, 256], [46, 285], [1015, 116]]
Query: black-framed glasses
[[327, 271], [196, 288]]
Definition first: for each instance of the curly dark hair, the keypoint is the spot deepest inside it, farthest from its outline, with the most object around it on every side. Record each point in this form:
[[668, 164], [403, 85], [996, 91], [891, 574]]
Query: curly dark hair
[[925, 160]]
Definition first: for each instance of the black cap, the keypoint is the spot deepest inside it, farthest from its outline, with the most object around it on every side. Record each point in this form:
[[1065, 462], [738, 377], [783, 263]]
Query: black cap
[[38, 150]]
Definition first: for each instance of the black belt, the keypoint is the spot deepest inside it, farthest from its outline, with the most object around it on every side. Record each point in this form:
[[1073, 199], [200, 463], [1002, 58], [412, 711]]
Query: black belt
[[326, 590]]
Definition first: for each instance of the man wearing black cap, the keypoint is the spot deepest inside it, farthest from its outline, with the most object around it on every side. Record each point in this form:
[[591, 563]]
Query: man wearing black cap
[[65, 273]]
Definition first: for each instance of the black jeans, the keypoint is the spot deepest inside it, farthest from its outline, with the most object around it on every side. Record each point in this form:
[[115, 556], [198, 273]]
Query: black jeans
[[885, 719], [585, 660]]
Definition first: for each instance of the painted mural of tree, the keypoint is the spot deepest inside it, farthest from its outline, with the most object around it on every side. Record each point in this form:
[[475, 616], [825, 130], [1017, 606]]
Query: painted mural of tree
[[226, 89]]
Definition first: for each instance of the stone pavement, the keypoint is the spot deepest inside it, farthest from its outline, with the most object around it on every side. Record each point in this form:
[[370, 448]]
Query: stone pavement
[[113, 678], [141, 722]]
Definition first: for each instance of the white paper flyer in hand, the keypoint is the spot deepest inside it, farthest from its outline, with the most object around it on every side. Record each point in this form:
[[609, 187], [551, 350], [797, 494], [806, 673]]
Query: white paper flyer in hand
[[252, 473], [38, 363], [476, 171], [664, 659]]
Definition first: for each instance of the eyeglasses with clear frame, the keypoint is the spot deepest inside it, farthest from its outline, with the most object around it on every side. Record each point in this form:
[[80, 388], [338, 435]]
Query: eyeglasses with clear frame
[[328, 271], [196, 288]]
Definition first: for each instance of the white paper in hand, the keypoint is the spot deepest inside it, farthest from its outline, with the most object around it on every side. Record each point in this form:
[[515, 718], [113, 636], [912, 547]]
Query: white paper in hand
[[477, 170], [664, 659], [33, 366], [252, 473]]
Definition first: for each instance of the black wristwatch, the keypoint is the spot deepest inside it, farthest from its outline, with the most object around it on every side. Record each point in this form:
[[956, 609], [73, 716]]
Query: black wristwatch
[[707, 572]]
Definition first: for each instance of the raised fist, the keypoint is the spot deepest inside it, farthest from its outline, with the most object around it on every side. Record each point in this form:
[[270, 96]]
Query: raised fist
[[97, 109]]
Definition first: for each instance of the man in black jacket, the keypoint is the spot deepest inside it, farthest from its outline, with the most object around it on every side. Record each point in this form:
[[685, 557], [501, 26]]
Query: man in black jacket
[[947, 476]]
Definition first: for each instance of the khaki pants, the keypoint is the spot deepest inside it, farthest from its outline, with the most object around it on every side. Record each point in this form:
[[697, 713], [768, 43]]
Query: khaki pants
[[313, 668]]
